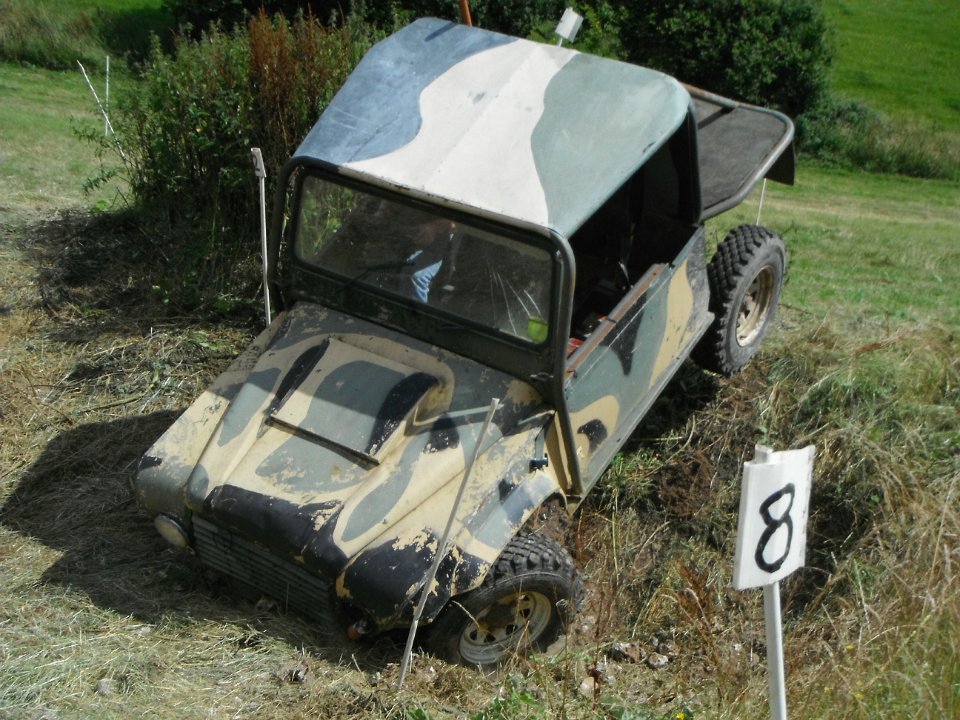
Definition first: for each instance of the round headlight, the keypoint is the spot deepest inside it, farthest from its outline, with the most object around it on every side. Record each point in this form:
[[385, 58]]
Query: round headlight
[[172, 531]]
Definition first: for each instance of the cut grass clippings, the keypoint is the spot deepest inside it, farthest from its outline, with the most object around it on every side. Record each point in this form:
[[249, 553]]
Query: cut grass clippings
[[99, 618]]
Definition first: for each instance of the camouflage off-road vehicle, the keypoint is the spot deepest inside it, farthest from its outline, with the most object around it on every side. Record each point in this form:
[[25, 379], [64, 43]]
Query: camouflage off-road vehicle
[[475, 216]]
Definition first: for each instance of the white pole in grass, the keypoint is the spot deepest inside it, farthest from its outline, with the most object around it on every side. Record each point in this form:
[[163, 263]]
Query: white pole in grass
[[772, 542], [763, 191], [103, 112], [261, 172], [442, 545], [106, 97], [774, 635]]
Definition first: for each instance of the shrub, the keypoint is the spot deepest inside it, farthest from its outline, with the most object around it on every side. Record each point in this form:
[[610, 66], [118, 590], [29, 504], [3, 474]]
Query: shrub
[[513, 18], [850, 134], [768, 52], [195, 18], [518, 17], [188, 129]]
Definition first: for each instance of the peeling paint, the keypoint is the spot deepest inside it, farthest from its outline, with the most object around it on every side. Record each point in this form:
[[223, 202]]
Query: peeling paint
[[335, 445]]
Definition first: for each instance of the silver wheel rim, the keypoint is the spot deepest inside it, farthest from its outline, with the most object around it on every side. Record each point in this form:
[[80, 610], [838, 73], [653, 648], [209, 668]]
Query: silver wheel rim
[[755, 306], [511, 623]]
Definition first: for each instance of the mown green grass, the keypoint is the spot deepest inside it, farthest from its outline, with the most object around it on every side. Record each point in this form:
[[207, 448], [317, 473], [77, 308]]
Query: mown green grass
[[900, 56], [43, 165], [867, 250]]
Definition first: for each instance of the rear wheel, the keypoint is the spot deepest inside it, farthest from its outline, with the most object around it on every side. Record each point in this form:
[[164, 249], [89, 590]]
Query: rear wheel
[[524, 604], [746, 277]]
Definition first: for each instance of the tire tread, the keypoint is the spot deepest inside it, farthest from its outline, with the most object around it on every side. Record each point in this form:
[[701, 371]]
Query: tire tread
[[725, 272]]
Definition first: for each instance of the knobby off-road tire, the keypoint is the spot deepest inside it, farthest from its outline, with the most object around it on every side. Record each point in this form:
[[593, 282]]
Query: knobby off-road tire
[[746, 277], [527, 599]]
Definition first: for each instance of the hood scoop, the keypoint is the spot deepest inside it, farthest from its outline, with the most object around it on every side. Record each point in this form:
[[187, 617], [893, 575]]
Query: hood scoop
[[355, 400]]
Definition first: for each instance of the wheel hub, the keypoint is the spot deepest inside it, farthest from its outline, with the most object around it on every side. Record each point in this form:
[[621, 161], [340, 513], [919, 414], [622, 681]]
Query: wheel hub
[[512, 622], [755, 306]]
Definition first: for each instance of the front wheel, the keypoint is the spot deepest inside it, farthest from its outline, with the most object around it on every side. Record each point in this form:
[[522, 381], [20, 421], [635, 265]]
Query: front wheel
[[746, 277], [525, 602]]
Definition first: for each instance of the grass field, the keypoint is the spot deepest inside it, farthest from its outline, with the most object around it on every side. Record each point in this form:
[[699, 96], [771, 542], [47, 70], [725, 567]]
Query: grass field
[[43, 165], [98, 619], [869, 246], [57, 33], [900, 57]]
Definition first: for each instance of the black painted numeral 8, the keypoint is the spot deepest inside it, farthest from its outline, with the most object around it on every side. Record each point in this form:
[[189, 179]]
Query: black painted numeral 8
[[774, 524]]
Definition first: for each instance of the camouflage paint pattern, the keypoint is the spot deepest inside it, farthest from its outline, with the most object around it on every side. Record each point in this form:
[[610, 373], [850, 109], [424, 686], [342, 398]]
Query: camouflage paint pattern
[[623, 366], [438, 108], [343, 451], [334, 446]]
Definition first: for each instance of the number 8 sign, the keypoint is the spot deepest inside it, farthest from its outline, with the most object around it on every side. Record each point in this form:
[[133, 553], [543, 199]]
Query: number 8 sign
[[772, 528]]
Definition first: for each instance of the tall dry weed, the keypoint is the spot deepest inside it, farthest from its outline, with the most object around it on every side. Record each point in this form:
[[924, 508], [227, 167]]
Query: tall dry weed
[[188, 128]]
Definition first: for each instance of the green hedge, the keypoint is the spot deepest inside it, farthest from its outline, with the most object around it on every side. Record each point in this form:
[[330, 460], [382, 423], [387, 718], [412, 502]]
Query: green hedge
[[768, 52], [188, 126]]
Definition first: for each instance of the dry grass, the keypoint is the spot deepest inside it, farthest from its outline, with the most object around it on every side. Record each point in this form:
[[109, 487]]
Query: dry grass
[[99, 619]]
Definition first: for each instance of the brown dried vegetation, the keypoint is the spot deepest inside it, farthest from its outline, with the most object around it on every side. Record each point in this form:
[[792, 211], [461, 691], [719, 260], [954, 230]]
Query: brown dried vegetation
[[98, 617]]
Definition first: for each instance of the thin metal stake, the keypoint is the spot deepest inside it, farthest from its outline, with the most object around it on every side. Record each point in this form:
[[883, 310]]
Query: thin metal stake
[[261, 173], [103, 112], [442, 547], [774, 637], [763, 191], [106, 97]]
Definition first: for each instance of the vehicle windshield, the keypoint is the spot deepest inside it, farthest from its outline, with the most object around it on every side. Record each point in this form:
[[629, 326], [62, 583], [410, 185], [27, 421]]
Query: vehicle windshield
[[473, 273]]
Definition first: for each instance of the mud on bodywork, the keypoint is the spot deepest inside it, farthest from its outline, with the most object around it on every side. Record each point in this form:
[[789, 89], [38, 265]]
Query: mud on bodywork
[[341, 452], [626, 362], [571, 190]]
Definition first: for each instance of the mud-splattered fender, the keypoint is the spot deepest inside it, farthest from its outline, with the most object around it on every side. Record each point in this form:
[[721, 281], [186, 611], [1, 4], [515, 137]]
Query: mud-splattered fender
[[385, 580]]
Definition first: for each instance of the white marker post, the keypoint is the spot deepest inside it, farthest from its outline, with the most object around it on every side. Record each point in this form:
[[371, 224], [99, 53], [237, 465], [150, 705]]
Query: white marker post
[[772, 543], [261, 172]]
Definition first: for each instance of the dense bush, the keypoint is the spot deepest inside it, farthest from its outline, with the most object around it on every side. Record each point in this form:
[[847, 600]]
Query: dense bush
[[188, 128], [769, 52], [197, 17], [518, 17], [850, 134], [513, 18]]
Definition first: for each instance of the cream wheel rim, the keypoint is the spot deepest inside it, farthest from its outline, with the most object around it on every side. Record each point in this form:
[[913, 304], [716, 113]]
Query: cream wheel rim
[[755, 306], [510, 623]]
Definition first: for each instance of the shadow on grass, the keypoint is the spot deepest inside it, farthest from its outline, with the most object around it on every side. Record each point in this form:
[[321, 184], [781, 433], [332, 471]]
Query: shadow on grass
[[78, 498], [95, 277], [672, 486], [116, 269]]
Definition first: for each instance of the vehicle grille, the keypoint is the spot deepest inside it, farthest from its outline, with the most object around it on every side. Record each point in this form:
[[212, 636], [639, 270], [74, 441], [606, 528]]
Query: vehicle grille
[[292, 586]]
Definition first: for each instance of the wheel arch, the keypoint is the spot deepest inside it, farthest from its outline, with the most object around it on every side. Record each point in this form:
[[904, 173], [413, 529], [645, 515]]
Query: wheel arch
[[487, 533], [472, 550]]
